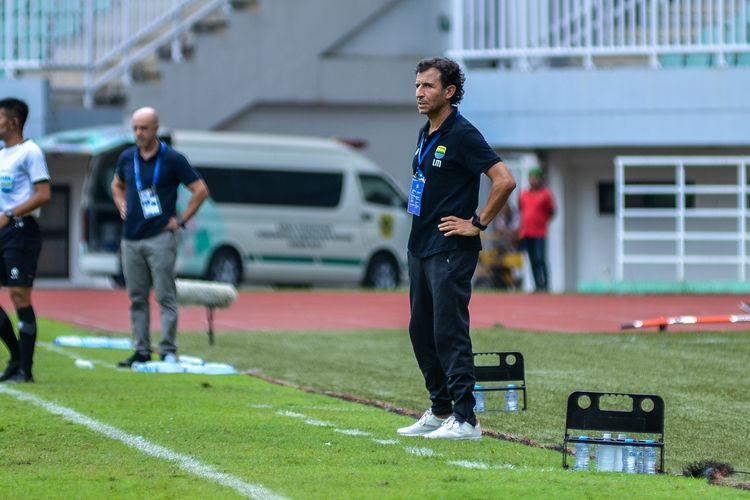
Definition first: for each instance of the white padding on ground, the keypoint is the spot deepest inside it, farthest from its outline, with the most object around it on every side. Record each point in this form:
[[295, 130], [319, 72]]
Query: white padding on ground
[[205, 293]]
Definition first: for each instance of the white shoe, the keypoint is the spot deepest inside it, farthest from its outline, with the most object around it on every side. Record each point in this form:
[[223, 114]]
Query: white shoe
[[453, 429], [426, 424]]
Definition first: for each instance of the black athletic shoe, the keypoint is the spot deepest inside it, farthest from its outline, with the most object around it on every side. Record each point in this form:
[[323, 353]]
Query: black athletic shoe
[[10, 370], [20, 377], [136, 357]]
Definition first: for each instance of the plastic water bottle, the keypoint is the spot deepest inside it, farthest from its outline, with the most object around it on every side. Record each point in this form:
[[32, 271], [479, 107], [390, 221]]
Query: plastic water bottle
[[511, 398], [479, 399], [629, 457], [649, 458], [617, 458], [191, 360], [170, 358], [215, 369], [582, 455], [84, 363], [605, 455], [157, 367]]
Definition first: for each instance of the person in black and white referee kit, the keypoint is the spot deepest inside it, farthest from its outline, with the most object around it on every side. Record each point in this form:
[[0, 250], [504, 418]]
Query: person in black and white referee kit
[[444, 247], [24, 187]]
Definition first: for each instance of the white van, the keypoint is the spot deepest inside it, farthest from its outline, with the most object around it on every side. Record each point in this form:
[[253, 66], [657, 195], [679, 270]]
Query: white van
[[283, 210]]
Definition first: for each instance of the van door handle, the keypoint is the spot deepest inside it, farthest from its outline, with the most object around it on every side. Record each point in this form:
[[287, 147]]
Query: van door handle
[[366, 216]]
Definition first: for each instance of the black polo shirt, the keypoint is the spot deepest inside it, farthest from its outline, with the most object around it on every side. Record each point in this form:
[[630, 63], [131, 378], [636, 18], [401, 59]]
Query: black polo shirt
[[174, 170], [452, 168]]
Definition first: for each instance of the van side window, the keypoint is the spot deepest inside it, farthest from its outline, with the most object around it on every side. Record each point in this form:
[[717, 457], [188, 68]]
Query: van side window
[[273, 187], [377, 190]]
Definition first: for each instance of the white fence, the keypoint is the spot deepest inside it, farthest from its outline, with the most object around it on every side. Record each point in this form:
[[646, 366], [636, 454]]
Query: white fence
[[99, 39], [662, 32], [682, 219]]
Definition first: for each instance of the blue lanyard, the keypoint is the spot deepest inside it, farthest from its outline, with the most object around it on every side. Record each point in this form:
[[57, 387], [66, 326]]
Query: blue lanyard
[[421, 154], [137, 167]]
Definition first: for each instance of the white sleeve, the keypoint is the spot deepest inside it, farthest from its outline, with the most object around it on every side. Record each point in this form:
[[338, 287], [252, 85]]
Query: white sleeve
[[36, 165]]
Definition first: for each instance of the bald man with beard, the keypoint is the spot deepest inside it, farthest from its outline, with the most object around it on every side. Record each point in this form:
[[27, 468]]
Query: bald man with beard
[[144, 190]]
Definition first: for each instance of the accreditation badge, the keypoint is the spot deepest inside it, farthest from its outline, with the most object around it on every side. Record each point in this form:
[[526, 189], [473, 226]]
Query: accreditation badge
[[415, 196], [149, 203]]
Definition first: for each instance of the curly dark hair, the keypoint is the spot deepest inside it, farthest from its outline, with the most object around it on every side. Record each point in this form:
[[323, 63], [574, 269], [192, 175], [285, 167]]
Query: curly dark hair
[[450, 74]]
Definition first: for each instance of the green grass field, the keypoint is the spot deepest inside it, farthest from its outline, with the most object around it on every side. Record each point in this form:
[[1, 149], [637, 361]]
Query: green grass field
[[108, 433]]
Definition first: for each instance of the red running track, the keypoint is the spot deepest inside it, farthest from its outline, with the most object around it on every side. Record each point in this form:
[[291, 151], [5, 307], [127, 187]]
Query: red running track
[[107, 310]]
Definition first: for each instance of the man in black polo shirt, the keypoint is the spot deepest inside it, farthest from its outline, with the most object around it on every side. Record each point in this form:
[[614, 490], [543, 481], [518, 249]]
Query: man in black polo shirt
[[444, 247], [144, 190]]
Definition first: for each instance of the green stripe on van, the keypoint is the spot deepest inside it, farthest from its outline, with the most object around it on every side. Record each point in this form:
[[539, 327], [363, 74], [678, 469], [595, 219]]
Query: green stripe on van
[[304, 259], [341, 262]]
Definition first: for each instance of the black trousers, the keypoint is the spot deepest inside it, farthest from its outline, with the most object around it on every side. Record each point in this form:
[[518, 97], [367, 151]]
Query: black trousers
[[439, 293]]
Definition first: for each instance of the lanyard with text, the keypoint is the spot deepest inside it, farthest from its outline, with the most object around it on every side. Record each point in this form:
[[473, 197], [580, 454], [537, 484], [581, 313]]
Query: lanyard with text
[[417, 183], [149, 199]]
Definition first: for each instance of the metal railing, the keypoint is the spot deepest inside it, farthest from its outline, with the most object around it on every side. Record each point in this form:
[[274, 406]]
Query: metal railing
[[687, 216], [662, 32], [94, 42]]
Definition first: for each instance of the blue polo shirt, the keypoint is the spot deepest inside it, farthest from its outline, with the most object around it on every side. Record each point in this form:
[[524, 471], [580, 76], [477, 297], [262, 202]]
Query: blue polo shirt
[[174, 170], [452, 168]]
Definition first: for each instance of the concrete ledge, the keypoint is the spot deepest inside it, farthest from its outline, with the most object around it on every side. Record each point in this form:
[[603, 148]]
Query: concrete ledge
[[657, 287]]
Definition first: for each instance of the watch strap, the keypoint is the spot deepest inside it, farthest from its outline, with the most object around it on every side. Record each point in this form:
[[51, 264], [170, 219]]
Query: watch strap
[[477, 223]]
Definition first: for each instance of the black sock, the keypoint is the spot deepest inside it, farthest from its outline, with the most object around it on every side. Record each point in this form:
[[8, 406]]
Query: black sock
[[27, 334], [9, 336]]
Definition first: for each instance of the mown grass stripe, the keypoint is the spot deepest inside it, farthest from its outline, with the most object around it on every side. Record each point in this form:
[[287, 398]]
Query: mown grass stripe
[[185, 462]]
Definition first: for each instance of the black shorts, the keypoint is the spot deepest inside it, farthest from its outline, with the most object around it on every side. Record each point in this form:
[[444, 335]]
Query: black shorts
[[20, 245]]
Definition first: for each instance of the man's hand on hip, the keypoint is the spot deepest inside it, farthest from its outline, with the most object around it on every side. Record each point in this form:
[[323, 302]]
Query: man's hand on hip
[[454, 226]]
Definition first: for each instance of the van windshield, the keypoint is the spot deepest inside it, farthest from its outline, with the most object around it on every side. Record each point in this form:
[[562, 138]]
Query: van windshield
[[377, 190], [102, 233]]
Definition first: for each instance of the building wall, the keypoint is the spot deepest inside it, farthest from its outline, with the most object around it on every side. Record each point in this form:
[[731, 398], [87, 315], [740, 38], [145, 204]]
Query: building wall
[[35, 92], [635, 107]]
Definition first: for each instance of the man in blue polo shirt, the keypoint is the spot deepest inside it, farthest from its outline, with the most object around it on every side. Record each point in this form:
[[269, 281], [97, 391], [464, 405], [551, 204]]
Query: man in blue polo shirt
[[444, 247], [144, 190]]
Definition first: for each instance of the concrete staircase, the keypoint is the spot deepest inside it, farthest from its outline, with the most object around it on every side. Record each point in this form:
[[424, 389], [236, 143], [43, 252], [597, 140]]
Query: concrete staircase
[[229, 70]]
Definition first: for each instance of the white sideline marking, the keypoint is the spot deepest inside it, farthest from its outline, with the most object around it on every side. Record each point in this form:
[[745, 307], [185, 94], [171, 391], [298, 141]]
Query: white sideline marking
[[469, 465], [308, 420], [59, 350], [185, 462], [422, 452], [385, 441], [352, 432]]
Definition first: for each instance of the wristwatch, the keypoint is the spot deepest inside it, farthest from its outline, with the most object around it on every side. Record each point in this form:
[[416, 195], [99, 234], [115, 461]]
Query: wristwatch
[[181, 222], [9, 213], [477, 223]]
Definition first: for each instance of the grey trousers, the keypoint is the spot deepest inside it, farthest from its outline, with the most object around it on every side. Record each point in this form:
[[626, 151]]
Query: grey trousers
[[150, 263]]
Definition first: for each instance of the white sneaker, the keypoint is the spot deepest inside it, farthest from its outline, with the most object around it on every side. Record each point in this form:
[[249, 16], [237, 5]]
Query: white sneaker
[[453, 429], [426, 424]]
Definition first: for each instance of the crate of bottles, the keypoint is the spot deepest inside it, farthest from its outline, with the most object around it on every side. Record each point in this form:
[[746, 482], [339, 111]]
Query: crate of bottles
[[500, 381], [614, 432]]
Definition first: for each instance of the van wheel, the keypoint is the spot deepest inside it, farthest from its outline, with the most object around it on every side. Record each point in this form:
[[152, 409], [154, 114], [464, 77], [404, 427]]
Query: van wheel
[[225, 267], [382, 273]]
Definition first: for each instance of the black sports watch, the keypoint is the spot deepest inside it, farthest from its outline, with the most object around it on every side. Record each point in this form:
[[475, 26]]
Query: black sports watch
[[181, 222], [475, 221]]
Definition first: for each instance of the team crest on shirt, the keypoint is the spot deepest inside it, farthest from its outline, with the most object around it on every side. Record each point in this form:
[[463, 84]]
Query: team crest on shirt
[[440, 152]]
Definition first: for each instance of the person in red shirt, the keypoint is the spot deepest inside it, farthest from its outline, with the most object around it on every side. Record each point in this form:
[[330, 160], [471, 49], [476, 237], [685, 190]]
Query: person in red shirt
[[537, 206]]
